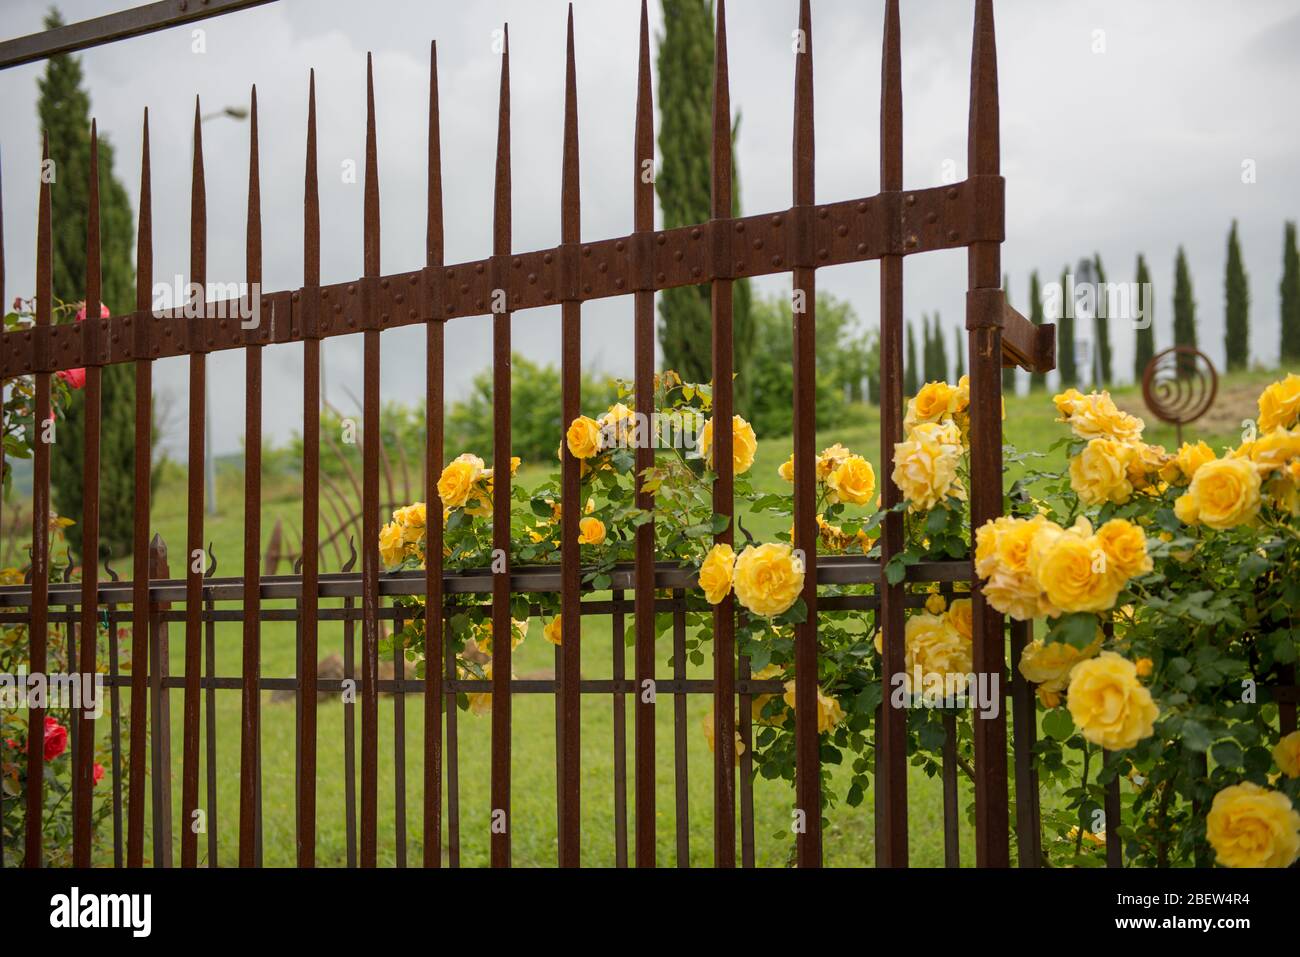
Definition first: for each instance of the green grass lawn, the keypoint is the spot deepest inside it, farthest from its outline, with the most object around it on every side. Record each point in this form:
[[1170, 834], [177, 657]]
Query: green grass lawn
[[849, 840]]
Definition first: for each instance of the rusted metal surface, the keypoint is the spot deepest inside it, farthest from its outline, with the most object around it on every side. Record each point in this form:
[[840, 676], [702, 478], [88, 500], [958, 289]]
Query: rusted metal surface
[[724, 613], [1024, 716], [891, 729], [984, 271], [569, 706], [111, 27], [643, 333]]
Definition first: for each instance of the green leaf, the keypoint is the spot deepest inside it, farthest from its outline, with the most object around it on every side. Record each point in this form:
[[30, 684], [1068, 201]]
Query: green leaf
[[1228, 754], [1057, 724], [720, 523], [1077, 628]]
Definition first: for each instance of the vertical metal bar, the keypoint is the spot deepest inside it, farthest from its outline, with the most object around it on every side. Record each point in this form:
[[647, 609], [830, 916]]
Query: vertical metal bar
[[453, 759], [681, 764], [951, 833], [891, 732], [350, 725], [370, 495], [40, 525], [210, 724], [620, 737], [140, 530], [1024, 730], [746, 770], [433, 450], [724, 621], [1286, 710], [984, 268], [399, 743], [311, 403], [501, 625], [643, 216], [115, 724], [569, 705], [251, 724], [194, 552], [1114, 844], [83, 782], [160, 749], [808, 799]]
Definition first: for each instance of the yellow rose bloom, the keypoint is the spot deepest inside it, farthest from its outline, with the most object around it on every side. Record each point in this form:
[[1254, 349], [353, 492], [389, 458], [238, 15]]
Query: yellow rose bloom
[[1251, 826], [518, 632], [618, 426], [853, 481], [552, 631], [786, 470], [1286, 754], [1271, 452], [392, 545], [936, 604], [925, 465], [457, 481], [1279, 404], [829, 460], [1110, 707], [480, 702], [591, 531], [1069, 571], [743, 444], [412, 519], [1048, 664], [768, 579], [1002, 549], [583, 437], [716, 572], [960, 616], [1100, 473], [1188, 460], [934, 648], [934, 401], [829, 712], [1095, 416], [1125, 545], [1224, 494]]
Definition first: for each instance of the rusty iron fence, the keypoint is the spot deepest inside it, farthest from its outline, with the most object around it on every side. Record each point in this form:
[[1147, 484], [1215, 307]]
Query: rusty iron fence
[[888, 227]]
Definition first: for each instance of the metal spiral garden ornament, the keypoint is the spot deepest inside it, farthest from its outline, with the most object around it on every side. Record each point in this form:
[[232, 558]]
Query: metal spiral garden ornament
[[1179, 386]]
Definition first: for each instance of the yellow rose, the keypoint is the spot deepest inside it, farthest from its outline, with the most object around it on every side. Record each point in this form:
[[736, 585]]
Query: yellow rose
[[1188, 460], [1224, 494], [743, 444], [934, 648], [854, 481], [786, 471], [1095, 416], [457, 481], [1049, 664], [480, 702], [1072, 570], [1110, 707], [936, 604], [931, 404], [1125, 545], [960, 616], [1251, 826], [392, 546], [925, 465], [1279, 404], [829, 712], [1271, 452], [583, 437], [768, 578], [1002, 549], [412, 519], [518, 632], [591, 531], [1144, 667], [829, 460], [552, 631], [717, 571], [1286, 754], [1099, 473], [618, 426]]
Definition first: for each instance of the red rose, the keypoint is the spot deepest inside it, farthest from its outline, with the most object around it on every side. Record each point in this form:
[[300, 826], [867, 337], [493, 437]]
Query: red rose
[[98, 772], [56, 739]]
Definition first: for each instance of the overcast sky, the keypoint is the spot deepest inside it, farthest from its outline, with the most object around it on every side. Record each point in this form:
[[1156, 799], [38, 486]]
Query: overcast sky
[[1125, 126]]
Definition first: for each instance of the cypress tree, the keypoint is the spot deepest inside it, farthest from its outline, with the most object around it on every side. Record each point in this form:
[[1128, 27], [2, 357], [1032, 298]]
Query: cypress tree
[[1184, 311], [1065, 337], [961, 355], [1236, 321], [1008, 372], [1290, 289], [1144, 348], [910, 371], [63, 107], [1103, 323], [940, 352], [1037, 380], [685, 63]]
